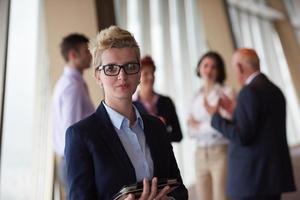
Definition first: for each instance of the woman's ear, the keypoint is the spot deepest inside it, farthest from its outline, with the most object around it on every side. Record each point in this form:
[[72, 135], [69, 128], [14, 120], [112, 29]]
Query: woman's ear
[[98, 78]]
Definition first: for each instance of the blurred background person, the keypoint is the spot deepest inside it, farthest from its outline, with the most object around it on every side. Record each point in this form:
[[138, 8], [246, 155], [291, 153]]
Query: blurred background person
[[150, 102], [259, 161], [211, 153], [71, 99]]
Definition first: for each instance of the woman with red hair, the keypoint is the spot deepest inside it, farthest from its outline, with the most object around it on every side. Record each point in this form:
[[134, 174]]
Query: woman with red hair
[[148, 101]]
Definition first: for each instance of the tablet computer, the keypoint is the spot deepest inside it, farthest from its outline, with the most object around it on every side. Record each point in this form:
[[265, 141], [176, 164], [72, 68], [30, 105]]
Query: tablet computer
[[137, 188]]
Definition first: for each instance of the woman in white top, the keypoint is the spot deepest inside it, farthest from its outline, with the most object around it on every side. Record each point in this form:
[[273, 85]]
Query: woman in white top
[[211, 154]]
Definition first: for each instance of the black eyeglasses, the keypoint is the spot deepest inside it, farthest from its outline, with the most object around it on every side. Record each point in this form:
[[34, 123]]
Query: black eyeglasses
[[114, 69]]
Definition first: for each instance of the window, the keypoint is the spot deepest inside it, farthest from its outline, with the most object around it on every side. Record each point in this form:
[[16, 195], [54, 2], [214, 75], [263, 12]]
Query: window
[[25, 167], [293, 9]]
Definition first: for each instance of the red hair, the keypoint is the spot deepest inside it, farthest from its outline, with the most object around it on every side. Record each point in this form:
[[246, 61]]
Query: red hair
[[148, 61]]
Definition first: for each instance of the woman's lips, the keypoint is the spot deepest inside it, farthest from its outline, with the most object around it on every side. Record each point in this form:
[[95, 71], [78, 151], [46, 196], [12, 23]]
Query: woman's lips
[[123, 86]]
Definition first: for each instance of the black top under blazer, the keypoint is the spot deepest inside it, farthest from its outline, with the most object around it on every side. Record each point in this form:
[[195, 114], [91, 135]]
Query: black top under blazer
[[98, 165], [259, 159], [166, 109]]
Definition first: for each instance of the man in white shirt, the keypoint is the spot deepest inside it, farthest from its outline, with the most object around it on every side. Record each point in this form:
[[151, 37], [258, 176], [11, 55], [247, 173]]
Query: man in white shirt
[[71, 100]]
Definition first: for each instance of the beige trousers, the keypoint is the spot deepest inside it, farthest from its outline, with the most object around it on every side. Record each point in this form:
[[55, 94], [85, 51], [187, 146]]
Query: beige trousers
[[211, 172]]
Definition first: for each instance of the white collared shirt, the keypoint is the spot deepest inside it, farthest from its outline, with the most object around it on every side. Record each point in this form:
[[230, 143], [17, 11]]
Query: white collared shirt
[[251, 77], [134, 142], [205, 134], [71, 103]]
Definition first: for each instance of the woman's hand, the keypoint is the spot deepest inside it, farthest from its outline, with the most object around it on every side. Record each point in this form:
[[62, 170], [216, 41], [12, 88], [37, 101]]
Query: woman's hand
[[211, 109], [151, 193]]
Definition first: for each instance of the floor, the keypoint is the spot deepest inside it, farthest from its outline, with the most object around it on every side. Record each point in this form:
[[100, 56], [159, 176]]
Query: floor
[[295, 154]]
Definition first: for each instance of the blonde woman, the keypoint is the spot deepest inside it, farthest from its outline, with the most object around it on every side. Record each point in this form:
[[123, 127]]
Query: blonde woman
[[117, 145]]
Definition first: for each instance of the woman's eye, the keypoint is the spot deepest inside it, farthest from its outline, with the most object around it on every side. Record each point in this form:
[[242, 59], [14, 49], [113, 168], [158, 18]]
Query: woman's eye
[[111, 68]]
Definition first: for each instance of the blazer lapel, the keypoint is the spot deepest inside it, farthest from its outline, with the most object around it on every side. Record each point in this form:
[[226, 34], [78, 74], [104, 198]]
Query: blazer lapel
[[112, 140], [154, 149]]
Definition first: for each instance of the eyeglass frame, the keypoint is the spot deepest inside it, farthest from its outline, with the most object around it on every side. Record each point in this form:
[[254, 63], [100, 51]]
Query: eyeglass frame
[[102, 67]]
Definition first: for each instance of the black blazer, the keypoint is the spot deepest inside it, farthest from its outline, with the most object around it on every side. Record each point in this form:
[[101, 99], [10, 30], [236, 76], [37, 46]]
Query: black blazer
[[98, 165], [259, 159], [166, 109]]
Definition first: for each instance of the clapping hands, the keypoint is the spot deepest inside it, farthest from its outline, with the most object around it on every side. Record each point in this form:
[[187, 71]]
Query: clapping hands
[[224, 102], [211, 109]]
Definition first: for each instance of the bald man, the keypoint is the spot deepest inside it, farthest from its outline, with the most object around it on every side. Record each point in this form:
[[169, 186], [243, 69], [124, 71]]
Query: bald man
[[259, 161]]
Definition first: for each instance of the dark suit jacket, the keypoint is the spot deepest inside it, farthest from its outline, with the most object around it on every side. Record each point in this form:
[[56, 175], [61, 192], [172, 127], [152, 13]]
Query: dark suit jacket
[[166, 109], [259, 160], [98, 165]]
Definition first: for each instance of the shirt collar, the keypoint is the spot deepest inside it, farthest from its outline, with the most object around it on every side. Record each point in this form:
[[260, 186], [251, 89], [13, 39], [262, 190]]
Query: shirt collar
[[117, 119], [69, 71], [215, 87], [251, 77]]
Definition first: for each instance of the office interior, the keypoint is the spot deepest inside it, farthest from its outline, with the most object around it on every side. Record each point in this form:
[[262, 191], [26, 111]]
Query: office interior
[[174, 32]]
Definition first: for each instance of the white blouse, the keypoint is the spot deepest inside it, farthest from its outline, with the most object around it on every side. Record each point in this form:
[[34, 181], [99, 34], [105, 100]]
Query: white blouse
[[205, 134]]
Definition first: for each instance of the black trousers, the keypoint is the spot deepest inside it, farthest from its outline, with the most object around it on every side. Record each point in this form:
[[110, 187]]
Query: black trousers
[[267, 197]]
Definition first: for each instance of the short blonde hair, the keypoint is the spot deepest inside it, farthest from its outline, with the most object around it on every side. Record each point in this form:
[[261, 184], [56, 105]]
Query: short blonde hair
[[112, 37]]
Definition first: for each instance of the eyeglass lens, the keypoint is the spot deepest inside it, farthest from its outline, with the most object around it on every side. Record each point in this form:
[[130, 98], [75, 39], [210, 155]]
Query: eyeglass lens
[[113, 69]]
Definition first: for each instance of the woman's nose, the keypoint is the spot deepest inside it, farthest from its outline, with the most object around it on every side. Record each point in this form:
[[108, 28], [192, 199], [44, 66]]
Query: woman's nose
[[122, 74]]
